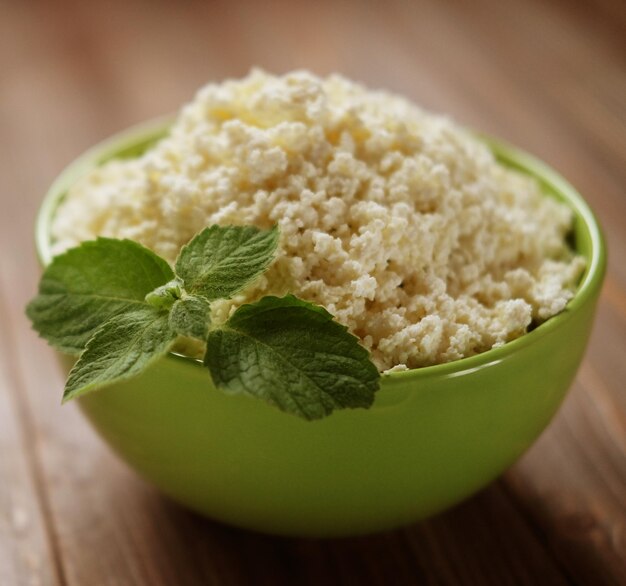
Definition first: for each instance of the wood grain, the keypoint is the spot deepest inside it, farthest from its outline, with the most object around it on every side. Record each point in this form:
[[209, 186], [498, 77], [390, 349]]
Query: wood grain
[[548, 76]]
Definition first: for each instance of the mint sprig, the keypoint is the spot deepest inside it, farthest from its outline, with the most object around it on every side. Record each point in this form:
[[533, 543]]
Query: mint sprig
[[121, 307]]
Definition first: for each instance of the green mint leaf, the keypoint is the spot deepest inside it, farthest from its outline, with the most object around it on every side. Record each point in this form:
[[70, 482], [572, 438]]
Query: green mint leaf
[[84, 287], [190, 317], [220, 261], [124, 346], [292, 354]]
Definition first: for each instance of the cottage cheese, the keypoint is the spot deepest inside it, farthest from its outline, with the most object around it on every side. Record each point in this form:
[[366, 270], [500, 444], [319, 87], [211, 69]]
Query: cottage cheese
[[397, 221]]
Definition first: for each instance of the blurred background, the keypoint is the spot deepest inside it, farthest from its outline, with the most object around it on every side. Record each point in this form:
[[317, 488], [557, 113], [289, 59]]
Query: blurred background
[[549, 76]]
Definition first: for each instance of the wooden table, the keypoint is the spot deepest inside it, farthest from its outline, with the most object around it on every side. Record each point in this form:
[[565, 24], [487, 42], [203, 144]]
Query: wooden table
[[550, 77]]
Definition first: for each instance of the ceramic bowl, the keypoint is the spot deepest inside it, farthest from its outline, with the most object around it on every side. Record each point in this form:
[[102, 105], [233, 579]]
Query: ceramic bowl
[[434, 436]]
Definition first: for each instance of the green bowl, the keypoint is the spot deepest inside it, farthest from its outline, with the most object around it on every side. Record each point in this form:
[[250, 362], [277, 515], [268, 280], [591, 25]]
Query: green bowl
[[434, 436]]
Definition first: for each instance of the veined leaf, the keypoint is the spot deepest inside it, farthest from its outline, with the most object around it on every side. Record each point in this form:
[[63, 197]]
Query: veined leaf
[[84, 287], [220, 261], [123, 347], [292, 354]]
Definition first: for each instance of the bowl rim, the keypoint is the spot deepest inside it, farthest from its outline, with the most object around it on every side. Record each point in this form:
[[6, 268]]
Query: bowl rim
[[510, 156]]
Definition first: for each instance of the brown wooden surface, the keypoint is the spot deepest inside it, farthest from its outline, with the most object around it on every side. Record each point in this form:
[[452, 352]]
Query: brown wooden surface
[[548, 76]]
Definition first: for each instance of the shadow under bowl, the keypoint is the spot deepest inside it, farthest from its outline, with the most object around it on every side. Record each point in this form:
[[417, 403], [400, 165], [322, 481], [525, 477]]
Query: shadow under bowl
[[433, 437]]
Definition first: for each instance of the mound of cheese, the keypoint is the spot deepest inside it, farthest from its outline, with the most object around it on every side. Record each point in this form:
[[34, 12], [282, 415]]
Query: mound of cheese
[[396, 220]]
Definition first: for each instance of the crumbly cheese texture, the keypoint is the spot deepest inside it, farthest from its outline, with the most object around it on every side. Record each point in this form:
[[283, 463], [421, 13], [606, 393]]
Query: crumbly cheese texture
[[397, 221]]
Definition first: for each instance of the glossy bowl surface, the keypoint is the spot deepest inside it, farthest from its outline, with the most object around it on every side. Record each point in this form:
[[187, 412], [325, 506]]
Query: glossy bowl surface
[[433, 437]]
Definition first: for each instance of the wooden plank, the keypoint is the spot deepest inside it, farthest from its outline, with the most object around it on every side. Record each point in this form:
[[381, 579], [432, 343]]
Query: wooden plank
[[27, 555]]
